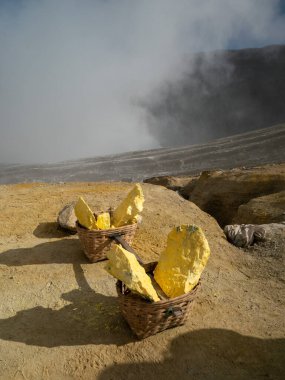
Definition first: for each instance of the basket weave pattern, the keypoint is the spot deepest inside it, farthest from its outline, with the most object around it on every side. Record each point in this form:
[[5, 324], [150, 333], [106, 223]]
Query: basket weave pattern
[[96, 243], [145, 318]]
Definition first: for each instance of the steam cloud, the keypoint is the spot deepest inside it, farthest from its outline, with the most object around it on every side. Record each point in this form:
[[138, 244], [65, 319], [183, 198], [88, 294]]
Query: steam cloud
[[73, 73], [223, 93]]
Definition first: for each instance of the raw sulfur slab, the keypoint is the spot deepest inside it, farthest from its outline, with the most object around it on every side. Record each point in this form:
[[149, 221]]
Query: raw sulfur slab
[[103, 221], [184, 259], [128, 211], [84, 214], [124, 266]]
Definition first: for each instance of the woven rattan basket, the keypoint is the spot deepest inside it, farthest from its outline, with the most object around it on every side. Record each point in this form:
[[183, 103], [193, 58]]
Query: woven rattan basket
[[96, 243], [146, 318]]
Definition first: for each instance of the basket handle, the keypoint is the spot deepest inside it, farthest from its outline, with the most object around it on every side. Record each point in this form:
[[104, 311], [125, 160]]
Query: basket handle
[[119, 239]]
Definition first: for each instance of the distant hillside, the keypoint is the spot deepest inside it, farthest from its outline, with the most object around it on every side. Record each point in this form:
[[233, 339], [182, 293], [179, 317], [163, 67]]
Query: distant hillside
[[220, 94], [263, 146]]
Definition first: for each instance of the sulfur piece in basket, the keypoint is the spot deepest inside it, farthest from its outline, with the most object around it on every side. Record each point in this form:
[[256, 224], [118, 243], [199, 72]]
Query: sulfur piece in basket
[[103, 221], [84, 215], [128, 211], [183, 261], [124, 266]]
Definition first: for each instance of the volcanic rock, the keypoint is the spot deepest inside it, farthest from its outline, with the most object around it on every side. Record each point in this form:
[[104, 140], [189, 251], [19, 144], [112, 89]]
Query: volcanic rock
[[183, 185], [245, 234], [220, 193], [266, 209], [66, 218]]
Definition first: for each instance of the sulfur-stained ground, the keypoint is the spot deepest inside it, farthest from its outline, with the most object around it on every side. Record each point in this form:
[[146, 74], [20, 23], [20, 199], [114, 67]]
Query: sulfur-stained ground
[[59, 317]]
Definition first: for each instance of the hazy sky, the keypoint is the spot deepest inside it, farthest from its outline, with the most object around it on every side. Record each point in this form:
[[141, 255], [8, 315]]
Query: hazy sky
[[72, 73]]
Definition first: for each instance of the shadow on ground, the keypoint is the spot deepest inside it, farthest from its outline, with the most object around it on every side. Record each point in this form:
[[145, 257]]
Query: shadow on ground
[[210, 354], [51, 230], [65, 251], [90, 318]]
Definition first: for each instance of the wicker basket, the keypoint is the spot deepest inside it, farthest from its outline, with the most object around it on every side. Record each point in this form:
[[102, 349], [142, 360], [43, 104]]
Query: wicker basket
[[146, 318], [96, 243]]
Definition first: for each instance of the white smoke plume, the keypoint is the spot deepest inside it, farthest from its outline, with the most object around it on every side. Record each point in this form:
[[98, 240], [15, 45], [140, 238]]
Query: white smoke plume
[[71, 72]]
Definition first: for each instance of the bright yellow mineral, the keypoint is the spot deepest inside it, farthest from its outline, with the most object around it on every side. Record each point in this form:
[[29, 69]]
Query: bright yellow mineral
[[128, 211], [184, 259], [103, 221], [84, 214], [124, 266]]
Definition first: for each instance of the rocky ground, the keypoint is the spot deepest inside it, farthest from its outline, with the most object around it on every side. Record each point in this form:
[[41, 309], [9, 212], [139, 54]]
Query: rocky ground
[[260, 147], [59, 317]]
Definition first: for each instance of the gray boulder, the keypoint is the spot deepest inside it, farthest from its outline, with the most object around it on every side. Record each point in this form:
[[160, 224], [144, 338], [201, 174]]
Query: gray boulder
[[67, 219], [244, 235]]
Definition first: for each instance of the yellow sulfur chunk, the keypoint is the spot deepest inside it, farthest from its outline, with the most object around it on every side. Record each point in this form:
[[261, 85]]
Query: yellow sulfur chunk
[[103, 221], [84, 214], [128, 211], [184, 259], [124, 266]]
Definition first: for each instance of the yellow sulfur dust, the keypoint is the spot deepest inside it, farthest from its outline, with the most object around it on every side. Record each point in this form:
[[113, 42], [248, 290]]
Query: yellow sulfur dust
[[84, 215], [103, 221], [124, 266], [128, 211], [184, 259]]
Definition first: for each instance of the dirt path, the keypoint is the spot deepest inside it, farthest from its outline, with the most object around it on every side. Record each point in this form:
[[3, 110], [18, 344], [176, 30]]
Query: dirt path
[[59, 317]]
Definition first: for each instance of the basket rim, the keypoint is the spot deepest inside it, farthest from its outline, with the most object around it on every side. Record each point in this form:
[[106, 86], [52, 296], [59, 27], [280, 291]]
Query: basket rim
[[112, 230], [160, 303]]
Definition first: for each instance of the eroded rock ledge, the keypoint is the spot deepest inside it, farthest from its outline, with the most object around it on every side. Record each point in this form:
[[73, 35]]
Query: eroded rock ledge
[[242, 195]]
